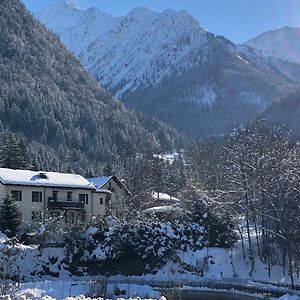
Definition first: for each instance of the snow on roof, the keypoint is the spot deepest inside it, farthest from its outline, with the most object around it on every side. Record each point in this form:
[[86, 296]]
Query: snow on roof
[[3, 237], [158, 209], [103, 191], [169, 157], [41, 178], [164, 197], [99, 182]]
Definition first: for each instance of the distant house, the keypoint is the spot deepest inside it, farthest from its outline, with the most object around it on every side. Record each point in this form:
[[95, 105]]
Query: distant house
[[164, 213], [68, 198], [164, 199], [119, 192], [163, 206]]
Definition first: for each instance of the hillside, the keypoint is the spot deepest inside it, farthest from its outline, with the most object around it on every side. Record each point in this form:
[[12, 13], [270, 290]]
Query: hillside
[[168, 66], [283, 43], [47, 98], [285, 113]]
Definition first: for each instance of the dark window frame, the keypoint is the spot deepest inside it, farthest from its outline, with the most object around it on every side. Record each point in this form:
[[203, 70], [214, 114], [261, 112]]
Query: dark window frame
[[38, 198], [69, 196], [84, 198], [54, 195], [17, 195]]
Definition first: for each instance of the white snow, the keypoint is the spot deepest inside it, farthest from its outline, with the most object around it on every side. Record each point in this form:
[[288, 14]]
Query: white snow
[[215, 264], [253, 98], [164, 197], [76, 290], [240, 58], [283, 43], [158, 209], [26, 177], [125, 52], [168, 157], [289, 297], [3, 237]]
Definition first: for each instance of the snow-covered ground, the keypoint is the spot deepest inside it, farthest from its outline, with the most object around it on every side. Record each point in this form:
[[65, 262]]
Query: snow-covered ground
[[83, 290], [289, 297], [37, 268], [71, 290]]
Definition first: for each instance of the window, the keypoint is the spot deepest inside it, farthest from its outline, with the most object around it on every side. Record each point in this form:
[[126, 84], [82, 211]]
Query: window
[[54, 195], [36, 216], [17, 195], [101, 201], [69, 196], [84, 198], [37, 196]]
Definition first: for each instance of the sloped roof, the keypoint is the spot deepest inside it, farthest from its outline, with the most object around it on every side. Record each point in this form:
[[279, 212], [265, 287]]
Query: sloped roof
[[99, 182], [53, 179]]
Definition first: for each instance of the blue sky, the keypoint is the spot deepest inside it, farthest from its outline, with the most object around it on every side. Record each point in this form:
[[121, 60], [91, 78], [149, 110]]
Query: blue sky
[[238, 20]]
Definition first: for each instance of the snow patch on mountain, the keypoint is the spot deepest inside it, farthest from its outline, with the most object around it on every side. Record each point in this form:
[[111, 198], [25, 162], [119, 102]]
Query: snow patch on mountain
[[141, 48], [156, 61], [253, 98], [126, 52], [283, 43]]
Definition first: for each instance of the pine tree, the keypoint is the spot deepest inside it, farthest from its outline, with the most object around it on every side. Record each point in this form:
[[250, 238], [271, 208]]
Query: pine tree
[[35, 165], [10, 217], [13, 153], [89, 173], [108, 169]]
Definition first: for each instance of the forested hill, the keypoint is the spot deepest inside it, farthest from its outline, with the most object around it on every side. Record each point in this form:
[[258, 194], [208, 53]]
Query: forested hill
[[47, 98]]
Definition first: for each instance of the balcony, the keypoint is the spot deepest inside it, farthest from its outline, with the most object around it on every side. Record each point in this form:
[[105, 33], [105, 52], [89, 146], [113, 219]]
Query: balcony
[[58, 204]]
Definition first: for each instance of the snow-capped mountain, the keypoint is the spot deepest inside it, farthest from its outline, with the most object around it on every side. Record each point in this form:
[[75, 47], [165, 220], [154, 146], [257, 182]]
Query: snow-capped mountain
[[167, 65], [283, 43], [125, 52]]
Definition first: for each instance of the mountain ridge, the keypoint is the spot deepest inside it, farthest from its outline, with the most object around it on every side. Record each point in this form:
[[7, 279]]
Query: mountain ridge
[[283, 43], [138, 57]]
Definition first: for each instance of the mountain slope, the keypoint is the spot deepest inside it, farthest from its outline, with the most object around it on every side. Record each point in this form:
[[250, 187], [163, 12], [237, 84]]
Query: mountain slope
[[168, 66], [285, 113], [283, 43], [48, 98]]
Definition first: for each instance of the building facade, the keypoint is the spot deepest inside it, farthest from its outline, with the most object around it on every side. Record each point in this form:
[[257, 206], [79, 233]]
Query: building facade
[[119, 192], [66, 198]]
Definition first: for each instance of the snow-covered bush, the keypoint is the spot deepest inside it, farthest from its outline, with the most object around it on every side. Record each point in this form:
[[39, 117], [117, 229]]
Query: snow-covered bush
[[218, 226], [140, 246]]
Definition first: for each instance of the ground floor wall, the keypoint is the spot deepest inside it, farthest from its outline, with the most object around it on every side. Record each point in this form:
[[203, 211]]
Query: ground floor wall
[[68, 205]]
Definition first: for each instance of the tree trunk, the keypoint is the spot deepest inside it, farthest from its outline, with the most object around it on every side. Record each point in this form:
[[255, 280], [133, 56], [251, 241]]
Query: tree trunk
[[242, 240], [290, 263]]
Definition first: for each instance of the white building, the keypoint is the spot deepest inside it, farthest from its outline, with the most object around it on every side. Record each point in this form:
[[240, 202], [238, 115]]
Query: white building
[[119, 192], [68, 198]]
